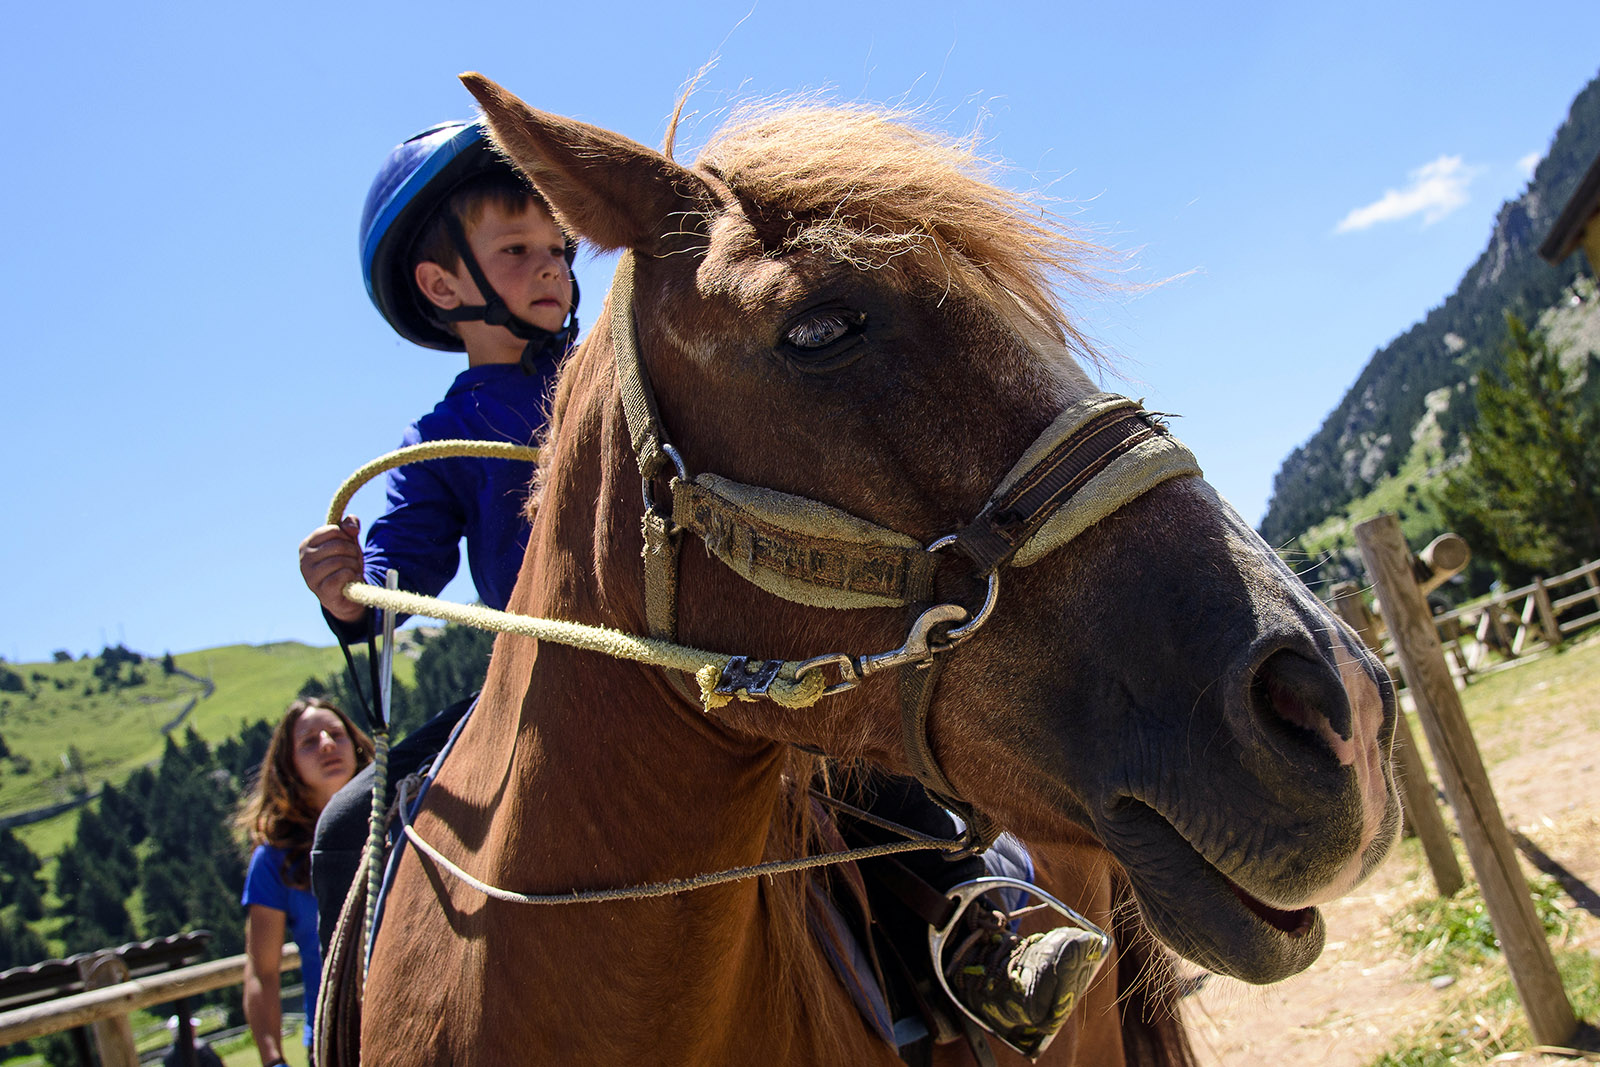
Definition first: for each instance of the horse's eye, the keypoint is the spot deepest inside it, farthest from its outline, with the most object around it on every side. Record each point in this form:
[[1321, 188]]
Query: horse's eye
[[820, 329]]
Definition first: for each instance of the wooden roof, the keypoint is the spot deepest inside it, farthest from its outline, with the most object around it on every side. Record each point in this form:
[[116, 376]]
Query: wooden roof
[[1570, 224]]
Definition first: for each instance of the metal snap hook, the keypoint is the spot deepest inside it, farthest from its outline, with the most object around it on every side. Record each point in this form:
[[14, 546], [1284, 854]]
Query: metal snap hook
[[920, 642]]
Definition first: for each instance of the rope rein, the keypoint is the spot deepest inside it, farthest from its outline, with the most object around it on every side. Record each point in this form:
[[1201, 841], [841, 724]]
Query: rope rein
[[915, 841], [786, 689], [380, 777]]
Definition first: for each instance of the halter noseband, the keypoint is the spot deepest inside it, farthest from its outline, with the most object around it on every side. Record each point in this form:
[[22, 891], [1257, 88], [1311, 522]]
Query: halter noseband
[[1098, 455]]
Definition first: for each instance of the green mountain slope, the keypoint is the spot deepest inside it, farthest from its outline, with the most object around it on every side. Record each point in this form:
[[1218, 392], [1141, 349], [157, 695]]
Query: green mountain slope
[[69, 729], [1416, 383]]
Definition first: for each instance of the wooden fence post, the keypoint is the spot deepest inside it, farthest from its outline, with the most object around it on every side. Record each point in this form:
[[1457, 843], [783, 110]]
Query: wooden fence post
[[1421, 810], [1497, 619], [113, 1037], [1547, 613], [1466, 783]]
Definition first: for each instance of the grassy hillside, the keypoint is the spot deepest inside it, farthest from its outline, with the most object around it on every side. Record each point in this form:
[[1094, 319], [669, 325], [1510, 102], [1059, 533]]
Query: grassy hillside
[[71, 731]]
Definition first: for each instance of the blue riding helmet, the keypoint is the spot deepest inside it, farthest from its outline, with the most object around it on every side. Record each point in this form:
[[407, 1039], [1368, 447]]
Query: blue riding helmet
[[413, 183]]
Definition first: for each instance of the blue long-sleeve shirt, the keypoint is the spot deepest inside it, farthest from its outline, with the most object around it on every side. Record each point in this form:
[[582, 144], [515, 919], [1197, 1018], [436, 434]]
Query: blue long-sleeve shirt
[[434, 504]]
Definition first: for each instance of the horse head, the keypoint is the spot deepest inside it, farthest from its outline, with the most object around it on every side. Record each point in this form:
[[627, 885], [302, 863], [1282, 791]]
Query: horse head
[[836, 309]]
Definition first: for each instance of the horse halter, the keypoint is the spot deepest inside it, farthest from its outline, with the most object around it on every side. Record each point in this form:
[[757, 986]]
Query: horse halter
[[1097, 456]]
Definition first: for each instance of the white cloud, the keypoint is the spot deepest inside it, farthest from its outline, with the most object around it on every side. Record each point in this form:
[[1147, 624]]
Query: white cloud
[[1435, 190], [1526, 164]]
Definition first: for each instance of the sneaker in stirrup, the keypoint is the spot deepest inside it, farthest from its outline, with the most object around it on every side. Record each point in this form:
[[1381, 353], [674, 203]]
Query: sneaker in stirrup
[[1021, 989]]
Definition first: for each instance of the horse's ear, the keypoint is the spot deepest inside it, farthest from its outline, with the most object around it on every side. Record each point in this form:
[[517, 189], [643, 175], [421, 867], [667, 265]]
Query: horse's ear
[[613, 192]]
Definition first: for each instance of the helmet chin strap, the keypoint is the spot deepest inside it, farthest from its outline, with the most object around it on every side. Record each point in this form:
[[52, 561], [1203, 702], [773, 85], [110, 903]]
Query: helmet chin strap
[[543, 346]]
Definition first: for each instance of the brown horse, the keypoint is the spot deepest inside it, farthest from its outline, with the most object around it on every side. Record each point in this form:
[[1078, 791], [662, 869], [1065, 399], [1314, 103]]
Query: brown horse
[[837, 307]]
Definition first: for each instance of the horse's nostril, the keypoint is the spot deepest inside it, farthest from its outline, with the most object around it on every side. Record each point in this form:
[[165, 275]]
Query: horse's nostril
[[1291, 689]]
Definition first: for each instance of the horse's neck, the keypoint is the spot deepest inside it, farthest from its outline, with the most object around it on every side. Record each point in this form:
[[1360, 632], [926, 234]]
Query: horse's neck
[[608, 742], [593, 775]]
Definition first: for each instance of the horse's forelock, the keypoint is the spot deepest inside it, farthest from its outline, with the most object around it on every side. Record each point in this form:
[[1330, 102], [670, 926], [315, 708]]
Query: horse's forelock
[[873, 189]]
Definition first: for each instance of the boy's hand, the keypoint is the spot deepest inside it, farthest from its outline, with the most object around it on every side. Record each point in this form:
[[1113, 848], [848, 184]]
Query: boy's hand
[[330, 558]]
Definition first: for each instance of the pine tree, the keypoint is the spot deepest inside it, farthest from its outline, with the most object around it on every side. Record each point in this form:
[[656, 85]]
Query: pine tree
[[91, 903], [112, 853], [1526, 496], [19, 877], [452, 666], [19, 946], [242, 755]]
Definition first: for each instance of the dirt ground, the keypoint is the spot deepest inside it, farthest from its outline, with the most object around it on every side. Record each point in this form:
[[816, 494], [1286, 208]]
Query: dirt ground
[[1365, 992]]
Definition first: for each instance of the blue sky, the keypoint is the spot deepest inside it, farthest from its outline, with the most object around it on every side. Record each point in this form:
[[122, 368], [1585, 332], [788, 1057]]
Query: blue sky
[[191, 365]]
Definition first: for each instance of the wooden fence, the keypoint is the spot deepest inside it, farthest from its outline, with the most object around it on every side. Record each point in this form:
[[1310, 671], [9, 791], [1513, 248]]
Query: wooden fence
[[111, 1004], [1521, 620], [1516, 622]]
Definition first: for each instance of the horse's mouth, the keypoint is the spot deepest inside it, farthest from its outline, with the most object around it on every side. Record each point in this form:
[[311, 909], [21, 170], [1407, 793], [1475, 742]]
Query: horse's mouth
[[1296, 923], [1204, 915]]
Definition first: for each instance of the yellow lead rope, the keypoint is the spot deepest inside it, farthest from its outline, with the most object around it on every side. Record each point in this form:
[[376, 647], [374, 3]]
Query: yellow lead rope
[[705, 666], [415, 454]]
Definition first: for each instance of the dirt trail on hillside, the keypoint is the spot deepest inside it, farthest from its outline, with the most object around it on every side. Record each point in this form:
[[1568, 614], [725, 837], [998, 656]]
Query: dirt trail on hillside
[[1366, 992]]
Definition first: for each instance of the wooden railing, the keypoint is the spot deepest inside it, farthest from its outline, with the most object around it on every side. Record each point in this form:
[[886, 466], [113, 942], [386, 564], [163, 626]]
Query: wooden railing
[[113, 1003], [1519, 620], [1512, 622]]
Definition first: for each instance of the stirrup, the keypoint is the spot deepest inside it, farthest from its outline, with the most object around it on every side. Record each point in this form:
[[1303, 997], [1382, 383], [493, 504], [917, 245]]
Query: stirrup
[[964, 894]]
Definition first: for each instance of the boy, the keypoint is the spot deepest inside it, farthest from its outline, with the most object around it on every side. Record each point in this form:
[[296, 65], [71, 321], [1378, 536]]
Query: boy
[[489, 275], [459, 254]]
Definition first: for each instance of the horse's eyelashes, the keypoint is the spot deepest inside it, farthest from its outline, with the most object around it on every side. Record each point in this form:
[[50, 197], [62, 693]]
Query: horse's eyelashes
[[822, 329]]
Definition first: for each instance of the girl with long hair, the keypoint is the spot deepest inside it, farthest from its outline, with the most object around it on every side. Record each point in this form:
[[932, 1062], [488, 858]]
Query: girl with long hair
[[314, 750]]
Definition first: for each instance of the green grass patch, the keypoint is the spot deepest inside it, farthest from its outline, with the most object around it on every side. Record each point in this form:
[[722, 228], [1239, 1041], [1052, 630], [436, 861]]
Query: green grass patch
[[1485, 1019], [241, 1051], [1480, 1016], [1555, 687], [1451, 934], [49, 837], [256, 682]]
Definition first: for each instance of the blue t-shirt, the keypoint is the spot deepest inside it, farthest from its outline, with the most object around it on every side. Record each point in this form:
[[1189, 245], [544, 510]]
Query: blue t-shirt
[[264, 885], [433, 505]]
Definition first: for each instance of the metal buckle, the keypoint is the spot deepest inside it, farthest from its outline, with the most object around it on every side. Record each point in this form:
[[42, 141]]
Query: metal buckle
[[964, 894], [849, 674], [683, 475], [755, 678]]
